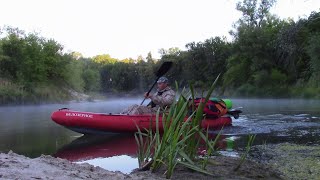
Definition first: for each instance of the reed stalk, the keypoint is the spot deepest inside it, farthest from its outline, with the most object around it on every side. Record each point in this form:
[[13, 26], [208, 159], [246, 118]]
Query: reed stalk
[[248, 148], [180, 139]]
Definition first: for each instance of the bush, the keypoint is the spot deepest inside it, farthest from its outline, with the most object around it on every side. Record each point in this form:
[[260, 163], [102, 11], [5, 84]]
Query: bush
[[10, 92], [246, 90]]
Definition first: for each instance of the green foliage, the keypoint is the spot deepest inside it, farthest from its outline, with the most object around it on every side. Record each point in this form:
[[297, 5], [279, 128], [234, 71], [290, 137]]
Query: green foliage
[[120, 76], [238, 72], [149, 58], [33, 63], [30, 58], [267, 57], [270, 55], [10, 92], [208, 59], [254, 14], [246, 90], [313, 50], [91, 80], [73, 75], [12, 52], [104, 59], [306, 92]]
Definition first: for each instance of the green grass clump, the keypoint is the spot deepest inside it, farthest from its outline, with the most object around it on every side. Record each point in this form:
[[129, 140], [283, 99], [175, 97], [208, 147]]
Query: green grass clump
[[180, 139], [248, 148]]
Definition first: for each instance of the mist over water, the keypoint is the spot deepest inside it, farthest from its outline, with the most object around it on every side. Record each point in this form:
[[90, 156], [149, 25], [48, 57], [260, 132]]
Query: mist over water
[[274, 106], [29, 130]]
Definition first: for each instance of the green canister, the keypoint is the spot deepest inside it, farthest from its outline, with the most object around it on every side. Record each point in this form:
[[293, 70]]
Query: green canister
[[228, 103]]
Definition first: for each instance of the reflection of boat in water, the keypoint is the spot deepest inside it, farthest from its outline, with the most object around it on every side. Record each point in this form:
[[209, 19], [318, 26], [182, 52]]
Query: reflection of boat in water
[[91, 147]]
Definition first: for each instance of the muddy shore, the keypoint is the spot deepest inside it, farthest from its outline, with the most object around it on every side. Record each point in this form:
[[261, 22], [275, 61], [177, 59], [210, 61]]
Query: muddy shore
[[291, 160], [282, 161]]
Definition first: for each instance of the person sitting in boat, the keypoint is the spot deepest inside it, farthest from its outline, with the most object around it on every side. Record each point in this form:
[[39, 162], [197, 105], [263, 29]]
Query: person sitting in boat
[[162, 99]]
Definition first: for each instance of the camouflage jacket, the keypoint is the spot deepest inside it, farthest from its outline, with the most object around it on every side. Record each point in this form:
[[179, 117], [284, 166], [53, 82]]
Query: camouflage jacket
[[163, 98]]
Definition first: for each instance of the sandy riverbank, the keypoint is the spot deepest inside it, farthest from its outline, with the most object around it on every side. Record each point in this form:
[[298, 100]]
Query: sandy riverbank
[[14, 166], [281, 161]]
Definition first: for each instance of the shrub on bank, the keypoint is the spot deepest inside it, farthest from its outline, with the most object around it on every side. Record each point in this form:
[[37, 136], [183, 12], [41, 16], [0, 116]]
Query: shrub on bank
[[12, 93]]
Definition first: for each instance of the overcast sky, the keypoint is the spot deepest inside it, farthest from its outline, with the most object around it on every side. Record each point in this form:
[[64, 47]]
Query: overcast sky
[[129, 28]]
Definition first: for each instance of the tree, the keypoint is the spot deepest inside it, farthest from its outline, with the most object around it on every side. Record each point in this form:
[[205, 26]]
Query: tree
[[74, 74], [313, 46], [313, 50], [54, 60], [253, 15], [104, 59], [76, 55], [149, 58], [12, 53], [175, 51], [208, 59]]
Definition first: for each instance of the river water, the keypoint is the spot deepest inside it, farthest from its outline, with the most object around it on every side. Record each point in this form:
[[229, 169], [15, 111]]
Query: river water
[[28, 130]]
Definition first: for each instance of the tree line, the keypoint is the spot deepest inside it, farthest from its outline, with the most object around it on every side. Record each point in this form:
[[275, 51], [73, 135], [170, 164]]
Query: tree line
[[268, 57]]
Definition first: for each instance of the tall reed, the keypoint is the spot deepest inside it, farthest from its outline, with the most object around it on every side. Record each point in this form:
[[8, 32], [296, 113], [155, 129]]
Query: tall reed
[[245, 154], [180, 139]]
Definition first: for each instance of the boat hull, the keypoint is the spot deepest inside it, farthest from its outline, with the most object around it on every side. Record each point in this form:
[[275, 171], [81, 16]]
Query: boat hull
[[100, 123]]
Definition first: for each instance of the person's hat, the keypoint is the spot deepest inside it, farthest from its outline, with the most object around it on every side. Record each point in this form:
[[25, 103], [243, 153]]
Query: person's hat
[[163, 80]]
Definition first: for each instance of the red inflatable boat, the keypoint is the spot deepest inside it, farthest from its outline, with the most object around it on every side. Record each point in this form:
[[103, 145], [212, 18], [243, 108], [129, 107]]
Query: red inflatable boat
[[95, 123]]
